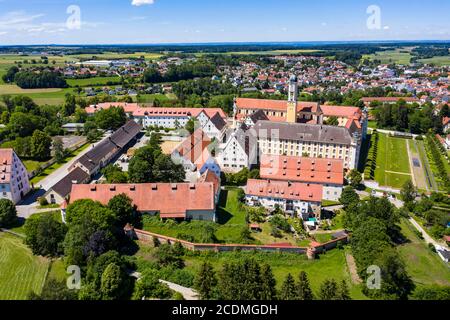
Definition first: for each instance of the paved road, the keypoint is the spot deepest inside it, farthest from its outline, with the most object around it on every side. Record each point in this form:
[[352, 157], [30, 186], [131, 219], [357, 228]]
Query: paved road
[[188, 293], [428, 239]]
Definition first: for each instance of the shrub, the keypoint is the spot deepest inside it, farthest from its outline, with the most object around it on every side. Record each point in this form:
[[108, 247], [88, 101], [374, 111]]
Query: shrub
[[43, 202]]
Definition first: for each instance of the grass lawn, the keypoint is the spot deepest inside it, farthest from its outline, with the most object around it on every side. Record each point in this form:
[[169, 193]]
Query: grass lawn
[[32, 165], [19, 227], [57, 270], [323, 237], [97, 81], [149, 98], [21, 272], [14, 89], [115, 55], [392, 162], [424, 266]]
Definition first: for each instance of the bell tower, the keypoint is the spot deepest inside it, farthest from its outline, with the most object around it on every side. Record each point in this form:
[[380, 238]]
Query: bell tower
[[292, 101]]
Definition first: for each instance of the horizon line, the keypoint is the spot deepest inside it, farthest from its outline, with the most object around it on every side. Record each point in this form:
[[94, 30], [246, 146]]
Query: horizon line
[[212, 43]]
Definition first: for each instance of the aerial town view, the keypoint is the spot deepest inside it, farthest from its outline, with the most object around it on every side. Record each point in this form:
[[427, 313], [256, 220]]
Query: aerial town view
[[224, 151]]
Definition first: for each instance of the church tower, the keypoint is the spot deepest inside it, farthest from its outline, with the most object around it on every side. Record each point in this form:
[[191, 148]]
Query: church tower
[[292, 102]]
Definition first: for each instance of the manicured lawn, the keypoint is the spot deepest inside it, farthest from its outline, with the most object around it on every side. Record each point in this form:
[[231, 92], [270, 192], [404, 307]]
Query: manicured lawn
[[392, 162], [149, 98], [97, 81], [32, 165], [322, 238], [424, 266], [21, 272]]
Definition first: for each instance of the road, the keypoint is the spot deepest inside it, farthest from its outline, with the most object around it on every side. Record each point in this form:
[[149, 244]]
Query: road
[[187, 293], [428, 239], [61, 172]]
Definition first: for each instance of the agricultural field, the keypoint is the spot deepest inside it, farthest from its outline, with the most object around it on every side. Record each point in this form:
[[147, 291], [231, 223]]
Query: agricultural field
[[392, 163], [97, 81], [40, 96], [398, 56], [21, 272], [424, 266], [438, 61], [274, 52], [114, 56]]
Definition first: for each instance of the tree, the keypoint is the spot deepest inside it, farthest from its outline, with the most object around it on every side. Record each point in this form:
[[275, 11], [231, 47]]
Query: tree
[[45, 236], [8, 213], [343, 292], [140, 171], [355, 178], [166, 257], [328, 290], [54, 290], [110, 119], [190, 125], [304, 291], [409, 193], [348, 197], [40, 145], [164, 170], [332, 121], [206, 281], [124, 210], [396, 284], [149, 286], [8, 77], [288, 289], [268, 284], [58, 149], [113, 283], [69, 105], [99, 242]]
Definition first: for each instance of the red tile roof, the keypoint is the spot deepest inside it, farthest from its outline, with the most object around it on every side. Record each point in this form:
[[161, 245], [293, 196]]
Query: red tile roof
[[299, 169], [389, 99], [6, 159], [138, 111], [193, 147], [169, 199], [273, 105], [285, 190]]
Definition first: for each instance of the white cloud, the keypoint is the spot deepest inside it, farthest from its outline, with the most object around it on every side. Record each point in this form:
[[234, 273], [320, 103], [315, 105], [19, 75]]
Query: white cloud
[[386, 28], [139, 3]]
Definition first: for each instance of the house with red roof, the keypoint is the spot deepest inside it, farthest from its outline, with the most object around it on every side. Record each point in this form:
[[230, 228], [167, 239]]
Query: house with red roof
[[299, 199], [446, 124], [14, 181]]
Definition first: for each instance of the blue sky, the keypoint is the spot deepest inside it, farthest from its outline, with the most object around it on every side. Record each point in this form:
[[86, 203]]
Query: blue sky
[[184, 21]]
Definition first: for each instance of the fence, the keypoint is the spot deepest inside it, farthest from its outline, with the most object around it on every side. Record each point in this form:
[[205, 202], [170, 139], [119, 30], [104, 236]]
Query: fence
[[149, 236]]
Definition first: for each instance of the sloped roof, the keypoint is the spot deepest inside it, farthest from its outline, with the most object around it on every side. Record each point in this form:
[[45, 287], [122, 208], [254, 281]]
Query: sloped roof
[[64, 186], [166, 198], [285, 190], [309, 170], [304, 132]]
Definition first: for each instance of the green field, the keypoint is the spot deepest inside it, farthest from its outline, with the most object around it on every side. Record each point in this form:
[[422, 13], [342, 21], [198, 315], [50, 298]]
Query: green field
[[39, 96], [97, 81], [114, 56], [20, 271], [392, 162], [398, 56], [424, 266], [438, 61]]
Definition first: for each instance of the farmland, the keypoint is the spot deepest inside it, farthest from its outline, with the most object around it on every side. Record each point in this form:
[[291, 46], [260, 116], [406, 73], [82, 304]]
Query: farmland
[[21, 272], [399, 56], [97, 81], [438, 61]]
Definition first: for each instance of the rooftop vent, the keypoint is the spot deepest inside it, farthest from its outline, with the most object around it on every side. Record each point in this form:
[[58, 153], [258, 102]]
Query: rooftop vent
[[133, 188], [174, 186], [112, 188], [93, 188], [192, 186], [154, 187]]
